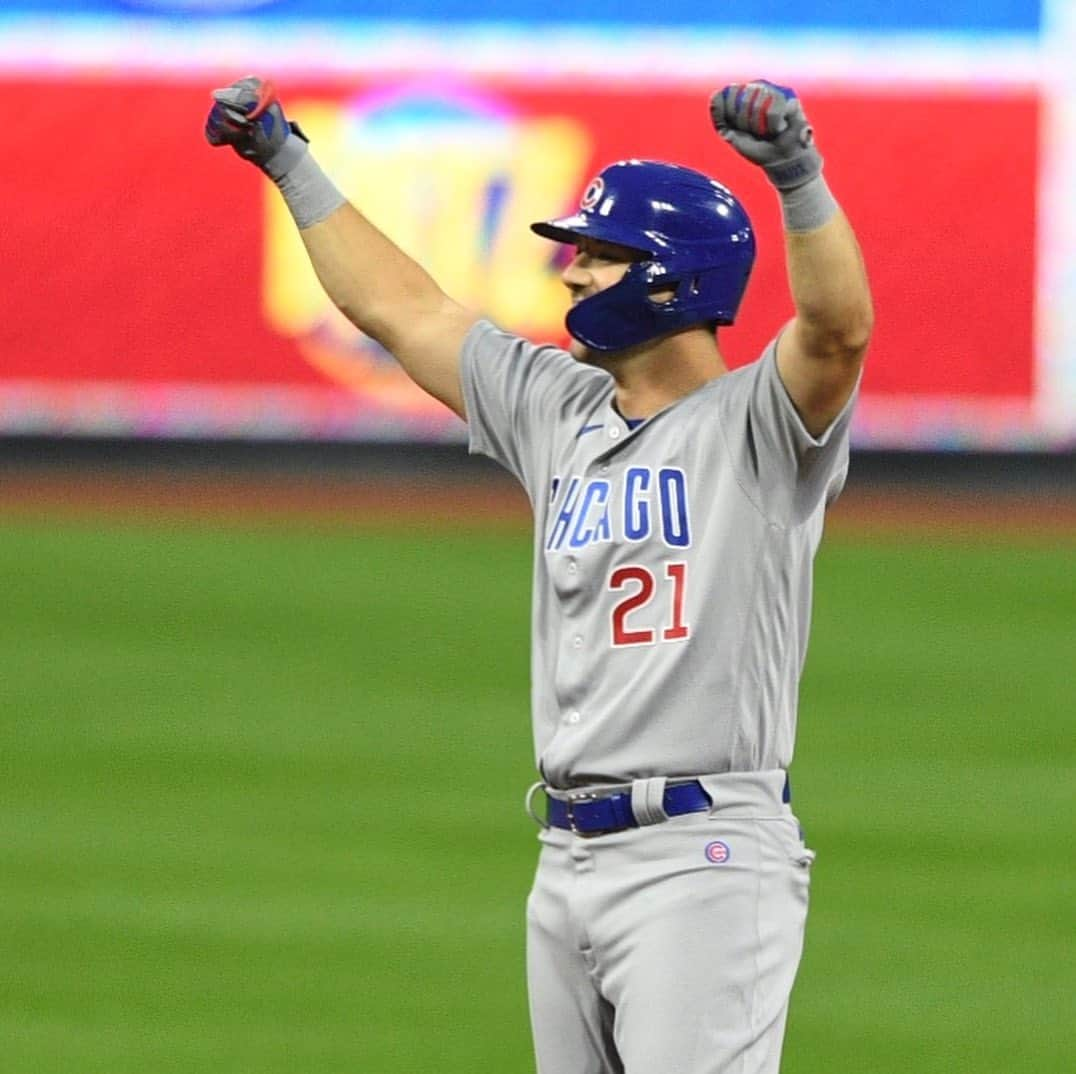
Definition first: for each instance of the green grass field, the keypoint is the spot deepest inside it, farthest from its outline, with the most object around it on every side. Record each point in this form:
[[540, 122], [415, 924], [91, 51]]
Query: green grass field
[[259, 806]]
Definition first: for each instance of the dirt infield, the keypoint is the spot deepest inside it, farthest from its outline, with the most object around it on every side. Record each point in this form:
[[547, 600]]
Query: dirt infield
[[336, 502]]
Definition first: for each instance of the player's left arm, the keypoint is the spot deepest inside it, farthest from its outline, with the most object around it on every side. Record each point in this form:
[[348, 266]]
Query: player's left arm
[[820, 353]]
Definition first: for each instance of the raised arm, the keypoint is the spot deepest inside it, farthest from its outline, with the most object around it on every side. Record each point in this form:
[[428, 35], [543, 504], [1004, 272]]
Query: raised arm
[[376, 285], [820, 353]]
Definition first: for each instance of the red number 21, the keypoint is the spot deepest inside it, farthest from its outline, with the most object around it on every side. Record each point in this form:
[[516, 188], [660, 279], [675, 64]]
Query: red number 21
[[641, 582]]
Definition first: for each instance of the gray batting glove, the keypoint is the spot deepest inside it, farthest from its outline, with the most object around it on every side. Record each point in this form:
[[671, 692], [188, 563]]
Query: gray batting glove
[[765, 123], [247, 116]]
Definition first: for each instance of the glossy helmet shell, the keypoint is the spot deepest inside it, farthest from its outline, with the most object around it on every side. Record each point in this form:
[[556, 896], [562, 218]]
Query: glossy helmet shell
[[692, 236]]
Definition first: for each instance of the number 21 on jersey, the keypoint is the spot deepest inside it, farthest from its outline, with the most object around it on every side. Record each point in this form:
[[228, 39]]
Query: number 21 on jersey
[[649, 618]]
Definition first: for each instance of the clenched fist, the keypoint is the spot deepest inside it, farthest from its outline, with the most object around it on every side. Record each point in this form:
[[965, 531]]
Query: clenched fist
[[766, 124], [247, 116]]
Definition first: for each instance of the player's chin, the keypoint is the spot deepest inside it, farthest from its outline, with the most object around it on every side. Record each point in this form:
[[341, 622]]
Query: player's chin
[[579, 351], [590, 355]]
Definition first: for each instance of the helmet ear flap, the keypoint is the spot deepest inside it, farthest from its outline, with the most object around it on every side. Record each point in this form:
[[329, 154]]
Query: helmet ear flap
[[627, 313]]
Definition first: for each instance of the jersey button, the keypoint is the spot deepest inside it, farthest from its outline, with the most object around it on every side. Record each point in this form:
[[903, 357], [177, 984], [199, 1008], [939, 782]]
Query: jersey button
[[604, 468], [614, 432], [577, 641], [573, 717], [573, 567]]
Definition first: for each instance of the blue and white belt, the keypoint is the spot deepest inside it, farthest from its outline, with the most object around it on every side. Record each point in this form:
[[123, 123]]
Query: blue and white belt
[[599, 814]]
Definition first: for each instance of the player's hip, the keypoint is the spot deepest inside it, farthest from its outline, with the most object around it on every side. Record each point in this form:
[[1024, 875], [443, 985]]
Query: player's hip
[[726, 820]]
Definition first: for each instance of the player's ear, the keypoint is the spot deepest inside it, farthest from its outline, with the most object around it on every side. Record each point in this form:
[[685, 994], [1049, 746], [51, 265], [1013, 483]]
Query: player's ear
[[659, 294]]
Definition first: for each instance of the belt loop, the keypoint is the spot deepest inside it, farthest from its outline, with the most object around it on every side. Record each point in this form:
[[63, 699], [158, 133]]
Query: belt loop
[[528, 803], [648, 800]]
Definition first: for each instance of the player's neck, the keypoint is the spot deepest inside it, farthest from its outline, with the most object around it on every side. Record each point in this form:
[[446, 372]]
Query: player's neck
[[653, 376]]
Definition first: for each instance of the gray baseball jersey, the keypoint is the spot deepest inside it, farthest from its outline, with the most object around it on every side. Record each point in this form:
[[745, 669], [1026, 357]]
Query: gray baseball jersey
[[673, 560]]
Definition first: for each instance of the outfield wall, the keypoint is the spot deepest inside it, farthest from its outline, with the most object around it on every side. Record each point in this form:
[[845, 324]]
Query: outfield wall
[[1046, 475]]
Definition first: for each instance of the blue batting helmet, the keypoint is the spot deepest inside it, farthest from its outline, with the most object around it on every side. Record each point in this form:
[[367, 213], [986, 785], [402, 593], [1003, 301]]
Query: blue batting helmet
[[692, 236]]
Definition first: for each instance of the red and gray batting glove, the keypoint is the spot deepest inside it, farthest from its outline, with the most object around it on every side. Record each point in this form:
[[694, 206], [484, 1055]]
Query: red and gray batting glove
[[247, 116], [765, 123]]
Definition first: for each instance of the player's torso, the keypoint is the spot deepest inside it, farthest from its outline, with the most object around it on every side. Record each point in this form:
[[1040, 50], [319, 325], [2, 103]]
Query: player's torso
[[652, 565]]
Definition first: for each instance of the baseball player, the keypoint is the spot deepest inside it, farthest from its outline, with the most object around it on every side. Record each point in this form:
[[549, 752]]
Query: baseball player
[[678, 507]]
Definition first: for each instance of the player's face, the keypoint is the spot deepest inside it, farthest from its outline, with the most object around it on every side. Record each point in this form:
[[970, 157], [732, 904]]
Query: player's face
[[595, 267]]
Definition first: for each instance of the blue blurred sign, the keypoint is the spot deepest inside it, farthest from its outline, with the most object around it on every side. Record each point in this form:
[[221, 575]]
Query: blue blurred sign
[[912, 16]]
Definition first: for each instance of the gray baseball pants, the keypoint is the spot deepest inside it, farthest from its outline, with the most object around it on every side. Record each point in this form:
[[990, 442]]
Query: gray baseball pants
[[670, 948]]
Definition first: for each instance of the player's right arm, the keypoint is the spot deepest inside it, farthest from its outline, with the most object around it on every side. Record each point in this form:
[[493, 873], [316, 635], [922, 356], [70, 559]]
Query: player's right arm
[[381, 290], [392, 299]]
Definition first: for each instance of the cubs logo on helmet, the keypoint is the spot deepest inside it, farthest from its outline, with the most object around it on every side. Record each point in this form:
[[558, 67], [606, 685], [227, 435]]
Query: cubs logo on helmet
[[593, 193]]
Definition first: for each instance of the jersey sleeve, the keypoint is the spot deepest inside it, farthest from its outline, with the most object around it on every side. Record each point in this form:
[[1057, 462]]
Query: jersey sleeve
[[786, 469], [517, 396]]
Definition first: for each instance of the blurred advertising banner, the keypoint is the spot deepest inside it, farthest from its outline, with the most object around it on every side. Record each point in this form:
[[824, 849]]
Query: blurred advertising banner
[[156, 287]]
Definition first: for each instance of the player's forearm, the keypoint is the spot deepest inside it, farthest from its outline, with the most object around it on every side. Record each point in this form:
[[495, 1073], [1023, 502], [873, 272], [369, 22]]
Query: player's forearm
[[391, 298], [830, 288], [370, 279], [373, 282]]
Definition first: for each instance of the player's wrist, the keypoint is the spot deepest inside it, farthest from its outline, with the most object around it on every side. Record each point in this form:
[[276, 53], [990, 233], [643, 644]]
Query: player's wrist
[[788, 173], [809, 206], [287, 157], [308, 192]]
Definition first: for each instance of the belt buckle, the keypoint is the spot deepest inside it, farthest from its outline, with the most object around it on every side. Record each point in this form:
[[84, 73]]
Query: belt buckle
[[571, 812]]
